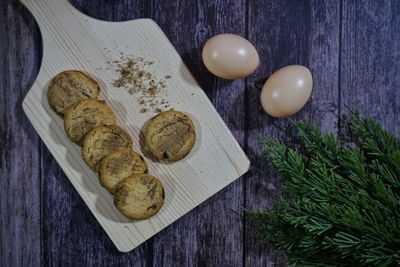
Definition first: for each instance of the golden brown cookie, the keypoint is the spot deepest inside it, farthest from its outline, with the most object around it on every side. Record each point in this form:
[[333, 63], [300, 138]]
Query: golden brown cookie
[[119, 165], [85, 115], [170, 135], [102, 141], [139, 196], [68, 88]]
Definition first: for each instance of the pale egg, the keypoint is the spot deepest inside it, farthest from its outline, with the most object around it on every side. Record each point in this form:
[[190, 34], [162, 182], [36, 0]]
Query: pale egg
[[230, 56], [287, 91]]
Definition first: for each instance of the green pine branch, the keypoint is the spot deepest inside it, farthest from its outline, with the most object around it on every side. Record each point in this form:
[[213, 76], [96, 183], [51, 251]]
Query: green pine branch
[[341, 204]]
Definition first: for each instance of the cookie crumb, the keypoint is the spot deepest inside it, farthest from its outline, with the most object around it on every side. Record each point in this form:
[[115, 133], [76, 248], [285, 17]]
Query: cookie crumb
[[139, 81]]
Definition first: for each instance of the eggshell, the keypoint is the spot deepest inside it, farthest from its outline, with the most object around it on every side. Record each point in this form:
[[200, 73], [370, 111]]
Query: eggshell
[[230, 56], [287, 91]]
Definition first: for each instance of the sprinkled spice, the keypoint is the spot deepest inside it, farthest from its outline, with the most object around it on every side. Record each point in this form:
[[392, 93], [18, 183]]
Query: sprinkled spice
[[134, 76]]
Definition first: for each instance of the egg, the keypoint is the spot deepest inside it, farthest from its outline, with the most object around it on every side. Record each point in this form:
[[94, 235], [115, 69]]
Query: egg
[[287, 91], [230, 56]]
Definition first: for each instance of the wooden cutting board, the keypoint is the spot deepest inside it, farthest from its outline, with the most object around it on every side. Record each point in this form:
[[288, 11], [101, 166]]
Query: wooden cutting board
[[72, 40]]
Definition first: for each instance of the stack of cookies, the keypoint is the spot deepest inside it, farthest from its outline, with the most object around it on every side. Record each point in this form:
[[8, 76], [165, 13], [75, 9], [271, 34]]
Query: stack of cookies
[[107, 148]]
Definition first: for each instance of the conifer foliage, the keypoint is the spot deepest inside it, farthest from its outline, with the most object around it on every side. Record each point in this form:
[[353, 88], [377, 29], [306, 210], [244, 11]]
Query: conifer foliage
[[340, 203]]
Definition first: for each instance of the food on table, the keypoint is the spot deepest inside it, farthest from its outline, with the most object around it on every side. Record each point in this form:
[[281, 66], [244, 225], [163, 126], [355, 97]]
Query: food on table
[[107, 148], [68, 88], [230, 56], [170, 135], [119, 165], [287, 91], [85, 115], [139, 196], [103, 140]]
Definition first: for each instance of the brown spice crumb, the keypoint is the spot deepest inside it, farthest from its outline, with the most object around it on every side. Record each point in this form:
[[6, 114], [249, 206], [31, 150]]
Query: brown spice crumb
[[152, 90], [117, 83], [139, 81]]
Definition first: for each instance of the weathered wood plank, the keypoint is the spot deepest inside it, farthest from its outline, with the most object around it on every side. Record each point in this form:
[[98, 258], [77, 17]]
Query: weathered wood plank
[[115, 10], [19, 145], [285, 33], [71, 234], [211, 235], [370, 61]]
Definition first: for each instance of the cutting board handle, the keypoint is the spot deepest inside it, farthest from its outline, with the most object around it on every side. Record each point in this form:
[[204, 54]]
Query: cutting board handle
[[47, 11], [52, 17]]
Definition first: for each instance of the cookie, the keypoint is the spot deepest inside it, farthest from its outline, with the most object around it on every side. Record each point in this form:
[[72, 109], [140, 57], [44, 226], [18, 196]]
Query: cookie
[[119, 165], [68, 88], [170, 135], [102, 141], [85, 115], [139, 196]]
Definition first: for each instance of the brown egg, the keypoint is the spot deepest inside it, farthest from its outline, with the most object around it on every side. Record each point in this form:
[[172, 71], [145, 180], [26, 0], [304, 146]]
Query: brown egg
[[230, 56], [287, 91]]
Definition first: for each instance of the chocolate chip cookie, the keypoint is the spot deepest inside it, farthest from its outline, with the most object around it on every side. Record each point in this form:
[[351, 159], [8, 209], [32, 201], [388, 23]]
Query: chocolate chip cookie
[[170, 135], [85, 115], [119, 165], [68, 88], [102, 141], [139, 196]]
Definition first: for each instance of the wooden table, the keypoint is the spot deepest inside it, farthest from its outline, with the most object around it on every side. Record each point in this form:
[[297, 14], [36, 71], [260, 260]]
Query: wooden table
[[352, 48]]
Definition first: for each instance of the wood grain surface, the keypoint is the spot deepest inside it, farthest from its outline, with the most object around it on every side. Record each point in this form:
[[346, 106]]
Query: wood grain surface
[[309, 35], [20, 202], [352, 48]]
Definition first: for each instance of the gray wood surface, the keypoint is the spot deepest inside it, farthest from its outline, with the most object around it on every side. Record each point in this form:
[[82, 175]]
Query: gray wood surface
[[308, 35], [351, 47], [370, 61], [19, 145]]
